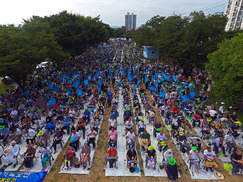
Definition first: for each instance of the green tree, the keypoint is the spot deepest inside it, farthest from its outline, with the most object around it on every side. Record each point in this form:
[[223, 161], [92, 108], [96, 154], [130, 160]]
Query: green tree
[[21, 52], [226, 65], [75, 33]]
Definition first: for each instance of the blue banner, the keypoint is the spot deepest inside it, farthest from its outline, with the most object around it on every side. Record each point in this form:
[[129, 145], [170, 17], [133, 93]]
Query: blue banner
[[22, 177]]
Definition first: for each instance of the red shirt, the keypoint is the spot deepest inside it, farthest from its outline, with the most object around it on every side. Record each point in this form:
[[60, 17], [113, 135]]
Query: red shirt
[[196, 116]]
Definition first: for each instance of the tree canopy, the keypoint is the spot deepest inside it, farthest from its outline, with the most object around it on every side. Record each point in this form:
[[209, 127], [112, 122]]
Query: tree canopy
[[185, 41], [226, 65], [55, 37], [20, 52]]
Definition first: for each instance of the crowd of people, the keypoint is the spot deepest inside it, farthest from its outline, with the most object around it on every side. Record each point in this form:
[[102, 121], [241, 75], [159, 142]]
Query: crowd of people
[[47, 108]]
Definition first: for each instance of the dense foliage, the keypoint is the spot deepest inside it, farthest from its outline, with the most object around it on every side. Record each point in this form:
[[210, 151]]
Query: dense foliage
[[226, 65], [185, 41], [55, 37]]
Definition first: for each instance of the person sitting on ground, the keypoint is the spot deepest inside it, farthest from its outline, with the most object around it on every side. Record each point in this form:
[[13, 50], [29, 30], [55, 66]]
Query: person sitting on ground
[[161, 137], [151, 157], [171, 169], [131, 158], [57, 139], [230, 142], [112, 137], [74, 141], [70, 158], [111, 156], [194, 157], [210, 160], [237, 161], [145, 140], [16, 135], [29, 155], [92, 134], [12, 154], [85, 155], [130, 138]]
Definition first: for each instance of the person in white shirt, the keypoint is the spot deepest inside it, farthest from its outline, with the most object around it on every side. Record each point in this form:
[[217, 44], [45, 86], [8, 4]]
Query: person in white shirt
[[112, 123], [30, 136], [46, 152], [72, 114], [130, 138], [41, 122], [129, 125], [12, 154], [14, 113], [194, 157], [230, 142], [141, 126], [209, 156], [92, 134], [161, 137]]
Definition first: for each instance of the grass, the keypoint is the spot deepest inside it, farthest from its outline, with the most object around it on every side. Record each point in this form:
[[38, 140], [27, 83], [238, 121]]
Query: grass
[[53, 169], [3, 87], [98, 178]]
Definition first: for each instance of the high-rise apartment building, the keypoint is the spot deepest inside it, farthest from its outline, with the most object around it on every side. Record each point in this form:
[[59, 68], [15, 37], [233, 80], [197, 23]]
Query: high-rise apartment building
[[234, 12], [130, 21]]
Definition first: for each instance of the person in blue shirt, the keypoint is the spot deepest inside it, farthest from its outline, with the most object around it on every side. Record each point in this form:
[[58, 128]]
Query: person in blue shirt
[[66, 124], [109, 97], [115, 114], [87, 115]]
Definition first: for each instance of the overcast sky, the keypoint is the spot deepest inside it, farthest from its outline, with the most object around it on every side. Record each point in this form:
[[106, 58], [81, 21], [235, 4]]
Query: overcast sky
[[111, 12]]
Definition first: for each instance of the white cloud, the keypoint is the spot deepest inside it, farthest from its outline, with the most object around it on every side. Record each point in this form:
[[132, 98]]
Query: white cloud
[[111, 12]]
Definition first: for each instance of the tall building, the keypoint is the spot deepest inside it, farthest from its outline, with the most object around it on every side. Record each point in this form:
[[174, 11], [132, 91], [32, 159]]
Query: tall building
[[234, 12], [130, 21]]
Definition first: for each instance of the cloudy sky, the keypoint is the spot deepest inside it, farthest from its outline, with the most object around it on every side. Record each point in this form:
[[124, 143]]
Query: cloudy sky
[[111, 12]]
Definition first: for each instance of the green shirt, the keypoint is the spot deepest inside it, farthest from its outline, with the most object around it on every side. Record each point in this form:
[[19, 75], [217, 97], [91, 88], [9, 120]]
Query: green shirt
[[145, 136]]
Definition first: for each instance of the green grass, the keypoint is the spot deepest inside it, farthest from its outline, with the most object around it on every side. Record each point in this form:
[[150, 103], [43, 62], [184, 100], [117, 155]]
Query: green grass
[[98, 178], [3, 87]]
